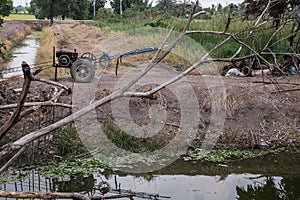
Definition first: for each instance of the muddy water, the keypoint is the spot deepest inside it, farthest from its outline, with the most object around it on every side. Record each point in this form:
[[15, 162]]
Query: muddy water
[[269, 177], [26, 52]]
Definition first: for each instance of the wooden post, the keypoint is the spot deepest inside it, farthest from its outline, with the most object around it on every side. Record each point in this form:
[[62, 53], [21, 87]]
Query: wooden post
[[54, 65]]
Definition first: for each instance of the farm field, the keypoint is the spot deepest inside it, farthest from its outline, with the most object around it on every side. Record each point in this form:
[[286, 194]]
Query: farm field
[[19, 17]]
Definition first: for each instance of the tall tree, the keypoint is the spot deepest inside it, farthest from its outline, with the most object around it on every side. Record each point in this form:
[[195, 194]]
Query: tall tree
[[46, 8], [6, 7], [98, 4], [79, 9], [126, 4], [76, 9]]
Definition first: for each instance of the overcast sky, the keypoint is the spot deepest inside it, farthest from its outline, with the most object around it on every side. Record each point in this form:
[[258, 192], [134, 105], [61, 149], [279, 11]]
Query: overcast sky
[[204, 3]]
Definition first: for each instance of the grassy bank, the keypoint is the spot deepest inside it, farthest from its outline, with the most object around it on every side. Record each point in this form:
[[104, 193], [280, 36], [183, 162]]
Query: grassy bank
[[241, 28], [44, 56], [45, 51]]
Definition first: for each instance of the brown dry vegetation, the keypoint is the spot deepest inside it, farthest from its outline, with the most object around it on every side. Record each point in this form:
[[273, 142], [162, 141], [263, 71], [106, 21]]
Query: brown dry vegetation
[[13, 32]]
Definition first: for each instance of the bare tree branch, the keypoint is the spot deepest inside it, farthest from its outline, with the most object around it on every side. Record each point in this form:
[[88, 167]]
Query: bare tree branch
[[27, 80], [45, 103], [8, 163], [51, 83], [43, 195], [60, 195], [256, 25]]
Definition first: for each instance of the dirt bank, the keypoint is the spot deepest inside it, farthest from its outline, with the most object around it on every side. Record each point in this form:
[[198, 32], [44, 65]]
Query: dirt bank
[[260, 113], [254, 111], [13, 32]]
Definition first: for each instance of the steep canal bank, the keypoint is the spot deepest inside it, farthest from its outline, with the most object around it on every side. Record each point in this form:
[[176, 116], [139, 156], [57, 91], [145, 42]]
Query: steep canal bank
[[26, 52]]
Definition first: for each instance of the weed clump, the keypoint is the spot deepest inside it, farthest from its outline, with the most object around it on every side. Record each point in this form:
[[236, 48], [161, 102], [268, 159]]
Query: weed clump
[[129, 142]]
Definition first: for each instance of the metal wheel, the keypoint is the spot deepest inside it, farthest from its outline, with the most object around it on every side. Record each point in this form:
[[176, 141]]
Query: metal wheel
[[89, 56], [64, 60], [82, 71], [105, 60]]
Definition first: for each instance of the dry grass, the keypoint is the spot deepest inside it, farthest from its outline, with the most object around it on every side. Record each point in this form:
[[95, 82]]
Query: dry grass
[[45, 53], [16, 40]]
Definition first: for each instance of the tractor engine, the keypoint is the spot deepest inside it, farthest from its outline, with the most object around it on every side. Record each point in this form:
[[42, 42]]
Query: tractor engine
[[66, 58]]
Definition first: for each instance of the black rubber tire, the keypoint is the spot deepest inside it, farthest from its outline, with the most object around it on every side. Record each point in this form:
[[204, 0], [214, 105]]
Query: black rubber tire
[[82, 71]]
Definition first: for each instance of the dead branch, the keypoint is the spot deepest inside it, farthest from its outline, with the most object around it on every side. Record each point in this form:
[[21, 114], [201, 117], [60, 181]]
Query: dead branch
[[8, 163], [228, 18], [117, 196], [51, 102], [52, 83], [60, 195], [43, 195], [285, 91], [30, 104], [27, 80], [256, 25], [269, 83]]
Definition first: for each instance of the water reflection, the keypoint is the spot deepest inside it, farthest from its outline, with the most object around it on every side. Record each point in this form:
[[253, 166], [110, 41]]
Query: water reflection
[[261, 179], [286, 188], [78, 183], [27, 52], [177, 187]]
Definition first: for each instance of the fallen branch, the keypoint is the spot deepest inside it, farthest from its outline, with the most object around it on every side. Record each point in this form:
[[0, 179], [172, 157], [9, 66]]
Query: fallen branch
[[60, 195], [8, 163], [43, 195], [285, 91], [29, 104], [117, 196], [51, 83], [12, 121], [269, 83]]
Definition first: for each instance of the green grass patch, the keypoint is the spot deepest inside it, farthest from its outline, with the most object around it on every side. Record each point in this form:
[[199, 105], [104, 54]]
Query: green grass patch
[[219, 156], [82, 166], [68, 143], [126, 64], [20, 16], [36, 34], [129, 142]]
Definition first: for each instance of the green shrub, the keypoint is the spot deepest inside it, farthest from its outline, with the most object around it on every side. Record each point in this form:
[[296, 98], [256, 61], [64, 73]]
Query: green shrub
[[129, 142], [68, 142]]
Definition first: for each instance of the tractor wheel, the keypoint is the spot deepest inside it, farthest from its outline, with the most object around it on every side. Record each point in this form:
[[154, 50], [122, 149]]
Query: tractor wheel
[[82, 71]]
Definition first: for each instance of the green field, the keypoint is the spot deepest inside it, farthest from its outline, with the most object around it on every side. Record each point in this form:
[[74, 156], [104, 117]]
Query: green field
[[20, 17]]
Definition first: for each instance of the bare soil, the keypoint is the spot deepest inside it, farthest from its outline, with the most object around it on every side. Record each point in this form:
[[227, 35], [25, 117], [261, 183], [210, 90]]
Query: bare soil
[[256, 108]]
